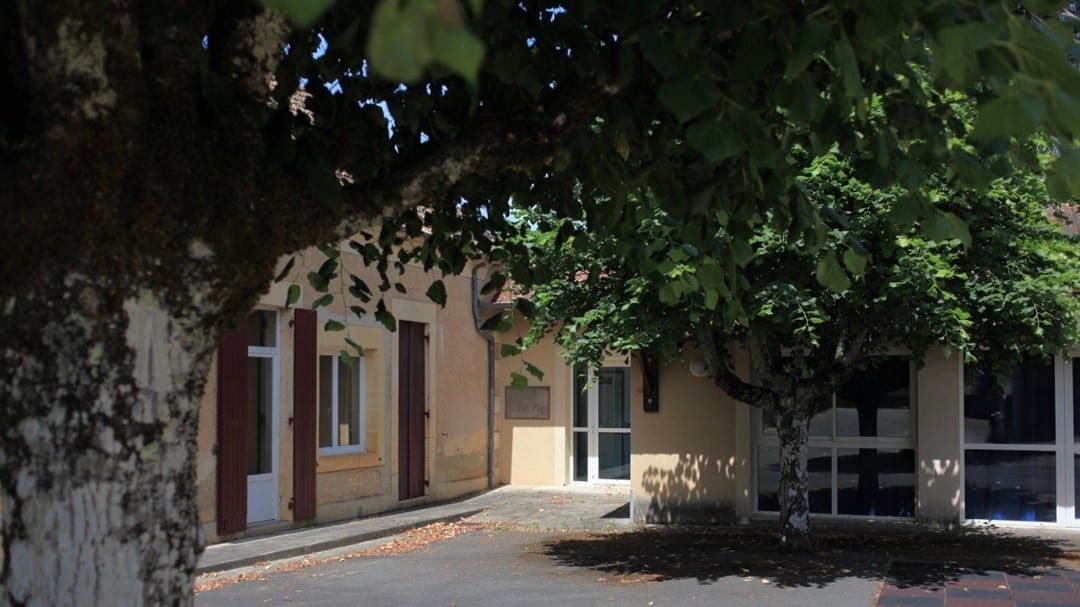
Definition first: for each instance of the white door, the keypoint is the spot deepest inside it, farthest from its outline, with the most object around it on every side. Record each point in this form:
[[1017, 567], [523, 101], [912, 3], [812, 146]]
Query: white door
[[262, 418], [601, 431]]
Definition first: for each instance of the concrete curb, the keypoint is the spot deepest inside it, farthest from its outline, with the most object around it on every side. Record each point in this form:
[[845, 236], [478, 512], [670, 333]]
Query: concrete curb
[[330, 544]]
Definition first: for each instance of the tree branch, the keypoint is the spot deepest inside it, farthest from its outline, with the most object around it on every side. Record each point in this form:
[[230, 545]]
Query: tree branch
[[726, 379]]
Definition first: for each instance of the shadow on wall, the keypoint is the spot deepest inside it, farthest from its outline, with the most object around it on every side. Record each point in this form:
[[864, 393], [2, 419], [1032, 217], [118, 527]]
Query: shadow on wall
[[899, 553], [689, 492]]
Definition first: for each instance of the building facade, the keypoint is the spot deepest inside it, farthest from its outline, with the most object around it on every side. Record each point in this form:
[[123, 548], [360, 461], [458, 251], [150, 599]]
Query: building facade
[[291, 431], [941, 443]]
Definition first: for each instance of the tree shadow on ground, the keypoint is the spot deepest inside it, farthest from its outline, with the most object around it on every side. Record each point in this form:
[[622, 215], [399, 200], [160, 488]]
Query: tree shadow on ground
[[906, 555]]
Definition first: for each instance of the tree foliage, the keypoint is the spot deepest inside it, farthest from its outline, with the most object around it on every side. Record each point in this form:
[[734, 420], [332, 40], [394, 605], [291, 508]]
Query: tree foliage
[[1000, 285]]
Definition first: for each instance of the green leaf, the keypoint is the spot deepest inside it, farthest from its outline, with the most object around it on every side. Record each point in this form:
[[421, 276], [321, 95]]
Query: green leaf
[[689, 96], [285, 271], [831, 275], [398, 45], [325, 300], [333, 325], [811, 40], [358, 311], [385, 317], [437, 292], [318, 282], [855, 261], [492, 323], [714, 140], [302, 12], [293, 295], [458, 49], [943, 226], [508, 350], [534, 371], [347, 358], [518, 381], [526, 307], [357, 348], [1011, 115]]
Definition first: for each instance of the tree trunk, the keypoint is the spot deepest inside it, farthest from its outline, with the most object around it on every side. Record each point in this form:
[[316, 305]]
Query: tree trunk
[[792, 428], [98, 423]]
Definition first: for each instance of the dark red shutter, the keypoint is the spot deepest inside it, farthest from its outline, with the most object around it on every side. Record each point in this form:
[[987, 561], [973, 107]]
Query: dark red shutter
[[305, 413], [232, 433], [411, 414]]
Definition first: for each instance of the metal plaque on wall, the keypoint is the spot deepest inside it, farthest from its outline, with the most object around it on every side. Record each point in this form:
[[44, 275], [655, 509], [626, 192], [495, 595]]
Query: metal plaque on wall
[[533, 402]]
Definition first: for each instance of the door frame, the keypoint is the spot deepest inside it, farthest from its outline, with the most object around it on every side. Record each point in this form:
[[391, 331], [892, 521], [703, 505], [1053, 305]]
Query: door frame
[[273, 477], [593, 430], [1064, 389]]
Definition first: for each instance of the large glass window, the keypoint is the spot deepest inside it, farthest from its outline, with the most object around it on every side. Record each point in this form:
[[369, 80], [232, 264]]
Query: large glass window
[[1010, 485], [341, 404], [1010, 459], [861, 458], [1015, 409]]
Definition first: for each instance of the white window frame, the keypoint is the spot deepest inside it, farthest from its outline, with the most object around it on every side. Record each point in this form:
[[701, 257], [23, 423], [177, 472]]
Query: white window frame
[[835, 442], [361, 378], [593, 430]]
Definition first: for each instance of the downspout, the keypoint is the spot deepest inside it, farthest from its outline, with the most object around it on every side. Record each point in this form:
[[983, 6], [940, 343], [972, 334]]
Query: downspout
[[490, 378]]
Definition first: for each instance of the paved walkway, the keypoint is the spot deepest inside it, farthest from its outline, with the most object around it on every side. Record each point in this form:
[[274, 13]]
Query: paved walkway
[[536, 509], [941, 587], [554, 546]]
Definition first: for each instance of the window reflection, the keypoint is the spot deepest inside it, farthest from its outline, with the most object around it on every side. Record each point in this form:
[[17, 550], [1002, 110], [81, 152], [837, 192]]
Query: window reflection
[[876, 482], [1019, 409], [876, 401], [1010, 485]]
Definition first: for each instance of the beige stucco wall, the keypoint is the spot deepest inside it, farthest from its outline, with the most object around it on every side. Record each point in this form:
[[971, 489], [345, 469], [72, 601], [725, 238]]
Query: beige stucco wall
[[534, 451], [939, 451], [456, 393], [686, 456]]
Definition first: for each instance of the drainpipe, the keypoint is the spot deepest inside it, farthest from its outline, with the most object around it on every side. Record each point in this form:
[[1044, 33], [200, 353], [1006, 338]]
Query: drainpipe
[[490, 378]]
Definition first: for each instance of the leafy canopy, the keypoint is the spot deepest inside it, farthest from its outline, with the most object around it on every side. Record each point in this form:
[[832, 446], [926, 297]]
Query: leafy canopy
[[615, 112]]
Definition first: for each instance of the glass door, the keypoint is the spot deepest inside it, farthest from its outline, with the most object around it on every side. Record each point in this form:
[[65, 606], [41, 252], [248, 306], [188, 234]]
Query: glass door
[[601, 425], [262, 418]]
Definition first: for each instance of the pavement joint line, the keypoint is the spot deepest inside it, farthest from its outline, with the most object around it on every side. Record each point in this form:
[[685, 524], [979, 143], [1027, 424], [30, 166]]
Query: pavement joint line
[[330, 544]]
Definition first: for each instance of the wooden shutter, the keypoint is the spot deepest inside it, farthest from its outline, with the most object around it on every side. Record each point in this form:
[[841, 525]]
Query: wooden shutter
[[411, 414], [305, 413], [232, 433]]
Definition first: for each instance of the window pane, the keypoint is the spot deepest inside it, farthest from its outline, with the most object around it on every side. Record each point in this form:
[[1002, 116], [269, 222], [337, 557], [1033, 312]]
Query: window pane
[[1076, 484], [581, 397], [348, 430], [614, 398], [259, 415], [875, 482], [326, 396], [614, 455], [581, 456], [1010, 485], [1021, 411], [821, 424], [819, 479], [262, 329], [877, 401]]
